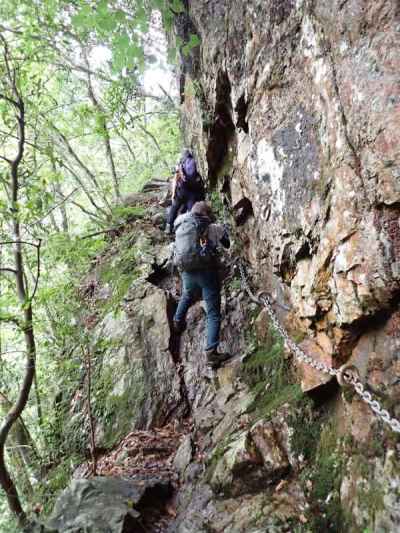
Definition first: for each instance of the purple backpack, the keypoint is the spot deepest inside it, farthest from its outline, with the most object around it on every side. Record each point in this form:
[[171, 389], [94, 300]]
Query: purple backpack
[[191, 178], [189, 167]]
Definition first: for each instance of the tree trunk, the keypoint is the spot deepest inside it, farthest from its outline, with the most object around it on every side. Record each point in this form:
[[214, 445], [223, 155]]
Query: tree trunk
[[14, 99]]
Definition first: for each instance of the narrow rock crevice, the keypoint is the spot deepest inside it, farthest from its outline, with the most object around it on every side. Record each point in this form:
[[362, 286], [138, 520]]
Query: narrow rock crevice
[[242, 211], [159, 275], [325, 393], [241, 110], [153, 506], [222, 129]]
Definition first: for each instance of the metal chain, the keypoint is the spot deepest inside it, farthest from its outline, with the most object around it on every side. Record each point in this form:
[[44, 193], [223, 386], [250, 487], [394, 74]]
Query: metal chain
[[344, 374]]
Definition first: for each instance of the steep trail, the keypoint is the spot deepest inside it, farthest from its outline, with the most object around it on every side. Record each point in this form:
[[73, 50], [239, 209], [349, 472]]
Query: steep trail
[[239, 449]]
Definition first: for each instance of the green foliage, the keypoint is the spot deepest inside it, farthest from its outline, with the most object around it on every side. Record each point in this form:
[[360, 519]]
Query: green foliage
[[116, 410], [118, 272], [216, 204], [8, 524], [67, 191], [306, 424], [234, 284], [194, 41], [123, 28]]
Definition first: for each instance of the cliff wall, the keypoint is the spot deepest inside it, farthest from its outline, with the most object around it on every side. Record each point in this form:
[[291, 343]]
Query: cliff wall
[[293, 109]]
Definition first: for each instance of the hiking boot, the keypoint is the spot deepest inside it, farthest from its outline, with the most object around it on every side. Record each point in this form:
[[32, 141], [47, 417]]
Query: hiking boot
[[215, 358], [178, 326]]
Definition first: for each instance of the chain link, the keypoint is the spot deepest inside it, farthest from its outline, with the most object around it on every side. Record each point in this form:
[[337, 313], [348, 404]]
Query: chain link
[[343, 374]]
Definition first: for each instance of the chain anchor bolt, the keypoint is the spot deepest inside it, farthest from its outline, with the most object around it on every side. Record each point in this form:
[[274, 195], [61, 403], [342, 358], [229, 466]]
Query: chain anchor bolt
[[262, 296], [348, 374]]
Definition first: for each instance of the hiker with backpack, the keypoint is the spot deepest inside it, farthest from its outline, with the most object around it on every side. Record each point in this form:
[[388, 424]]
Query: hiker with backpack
[[197, 239], [187, 188]]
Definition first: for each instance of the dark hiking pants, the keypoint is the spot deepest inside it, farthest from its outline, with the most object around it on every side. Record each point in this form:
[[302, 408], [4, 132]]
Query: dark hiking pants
[[186, 200]]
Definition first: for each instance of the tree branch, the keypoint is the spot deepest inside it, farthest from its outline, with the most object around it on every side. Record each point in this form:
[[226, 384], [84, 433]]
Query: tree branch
[[37, 270], [6, 159], [147, 132], [4, 269], [85, 190], [9, 100], [19, 242], [56, 206], [103, 231]]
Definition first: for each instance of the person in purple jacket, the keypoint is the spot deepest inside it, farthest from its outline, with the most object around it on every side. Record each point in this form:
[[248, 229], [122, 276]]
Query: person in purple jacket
[[187, 189]]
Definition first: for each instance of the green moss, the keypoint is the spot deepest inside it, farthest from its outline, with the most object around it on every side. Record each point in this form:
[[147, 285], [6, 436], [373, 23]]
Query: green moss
[[194, 89], [326, 513], [116, 411], [227, 164], [327, 464], [234, 285], [269, 402], [306, 426], [216, 204], [298, 336], [370, 493], [217, 454], [119, 271], [269, 376], [372, 498], [122, 214], [267, 365]]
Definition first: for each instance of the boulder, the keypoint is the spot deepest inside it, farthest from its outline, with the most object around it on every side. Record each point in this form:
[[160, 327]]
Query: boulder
[[252, 460], [103, 505]]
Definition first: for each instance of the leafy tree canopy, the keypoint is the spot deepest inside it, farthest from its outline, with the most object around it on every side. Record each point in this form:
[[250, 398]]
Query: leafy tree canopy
[[78, 130]]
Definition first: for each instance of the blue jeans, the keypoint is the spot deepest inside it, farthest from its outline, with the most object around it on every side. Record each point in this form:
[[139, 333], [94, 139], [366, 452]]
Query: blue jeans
[[207, 282]]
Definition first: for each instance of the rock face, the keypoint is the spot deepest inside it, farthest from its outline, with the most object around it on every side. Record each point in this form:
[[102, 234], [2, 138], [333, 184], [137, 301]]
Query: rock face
[[294, 110], [308, 97]]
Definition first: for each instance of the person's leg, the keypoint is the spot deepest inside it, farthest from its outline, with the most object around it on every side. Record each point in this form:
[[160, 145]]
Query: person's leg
[[191, 200], [173, 211], [211, 295], [189, 288]]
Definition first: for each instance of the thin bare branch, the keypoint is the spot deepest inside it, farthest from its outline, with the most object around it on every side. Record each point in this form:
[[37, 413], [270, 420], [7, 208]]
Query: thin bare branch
[[5, 269], [109, 230], [84, 188], [6, 159], [106, 134], [19, 242], [9, 100], [37, 270], [149, 134], [65, 199]]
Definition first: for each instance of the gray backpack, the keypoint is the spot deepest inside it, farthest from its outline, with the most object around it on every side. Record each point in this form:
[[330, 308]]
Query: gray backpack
[[193, 250]]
